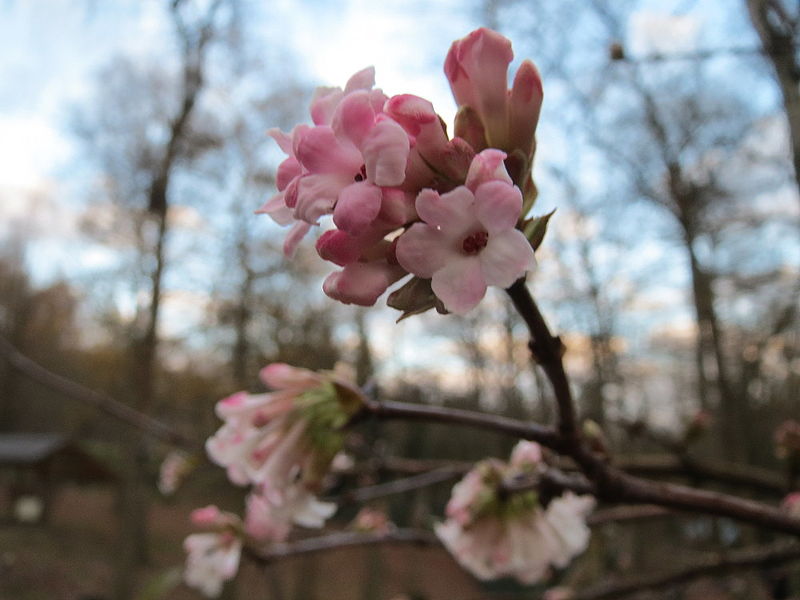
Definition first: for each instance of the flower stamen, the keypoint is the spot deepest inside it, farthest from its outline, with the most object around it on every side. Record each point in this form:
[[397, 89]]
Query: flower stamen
[[475, 242]]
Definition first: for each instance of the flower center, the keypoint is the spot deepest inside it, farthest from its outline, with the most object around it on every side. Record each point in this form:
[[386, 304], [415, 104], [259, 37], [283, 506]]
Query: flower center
[[475, 242], [361, 175]]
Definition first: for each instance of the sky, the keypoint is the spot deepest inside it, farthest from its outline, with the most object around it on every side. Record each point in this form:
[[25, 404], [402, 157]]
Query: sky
[[51, 50]]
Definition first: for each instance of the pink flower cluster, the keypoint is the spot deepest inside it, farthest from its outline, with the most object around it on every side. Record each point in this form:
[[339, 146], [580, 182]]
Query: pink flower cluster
[[405, 199], [282, 443], [514, 535]]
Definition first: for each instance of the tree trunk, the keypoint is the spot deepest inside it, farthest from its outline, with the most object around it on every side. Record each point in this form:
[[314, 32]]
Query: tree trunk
[[779, 48], [710, 357]]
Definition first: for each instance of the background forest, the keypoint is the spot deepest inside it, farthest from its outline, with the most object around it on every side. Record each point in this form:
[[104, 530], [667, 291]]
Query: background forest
[[133, 153]]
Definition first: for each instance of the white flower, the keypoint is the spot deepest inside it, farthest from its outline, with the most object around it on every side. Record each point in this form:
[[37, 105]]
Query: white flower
[[213, 558], [271, 513], [498, 536], [173, 470]]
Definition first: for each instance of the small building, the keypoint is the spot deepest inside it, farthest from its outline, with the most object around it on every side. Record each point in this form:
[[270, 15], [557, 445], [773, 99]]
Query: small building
[[33, 465]]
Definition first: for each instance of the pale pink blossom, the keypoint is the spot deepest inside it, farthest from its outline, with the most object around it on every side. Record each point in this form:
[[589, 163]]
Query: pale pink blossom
[[353, 150], [270, 513], [362, 283], [526, 455], [266, 438], [468, 239], [513, 535], [433, 157], [213, 556], [477, 69], [372, 520], [174, 468]]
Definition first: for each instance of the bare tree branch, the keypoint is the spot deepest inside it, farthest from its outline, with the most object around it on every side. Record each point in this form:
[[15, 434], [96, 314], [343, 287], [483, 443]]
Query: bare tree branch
[[436, 414], [344, 539], [102, 402], [746, 558], [398, 486]]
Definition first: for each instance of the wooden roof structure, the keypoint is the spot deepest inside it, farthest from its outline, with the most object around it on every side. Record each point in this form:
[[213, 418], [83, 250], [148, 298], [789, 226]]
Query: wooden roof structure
[[64, 459]]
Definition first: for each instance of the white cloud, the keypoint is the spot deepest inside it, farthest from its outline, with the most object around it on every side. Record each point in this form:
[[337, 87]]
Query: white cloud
[[653, 33], [29, 149]]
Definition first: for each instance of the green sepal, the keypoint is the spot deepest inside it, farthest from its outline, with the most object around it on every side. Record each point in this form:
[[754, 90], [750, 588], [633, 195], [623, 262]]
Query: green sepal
[[535, 228], [529, 195], [414, 298], [350, 399]]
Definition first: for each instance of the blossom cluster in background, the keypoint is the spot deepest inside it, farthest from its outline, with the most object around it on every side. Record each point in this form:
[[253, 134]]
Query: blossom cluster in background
[[282, 444], [406, 199], [494, 534]]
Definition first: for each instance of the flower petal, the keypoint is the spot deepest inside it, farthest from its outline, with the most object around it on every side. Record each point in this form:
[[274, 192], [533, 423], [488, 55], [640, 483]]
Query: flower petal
[[316, 196], [423, 250], [354, 117], [453, 212], [287, 170], [524, 105], [385, 150], [284, 140], [487, 166], [362, 80], [498, 206], [320, 151], [276, 208], [361, 283], [460, 284], [357, 207], [339, 247], [280, 376], [506, 258], [294, 237], [397, 208], [324, 103]]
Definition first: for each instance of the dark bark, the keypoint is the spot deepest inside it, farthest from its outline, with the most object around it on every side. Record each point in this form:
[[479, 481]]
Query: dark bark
[[777, 31]]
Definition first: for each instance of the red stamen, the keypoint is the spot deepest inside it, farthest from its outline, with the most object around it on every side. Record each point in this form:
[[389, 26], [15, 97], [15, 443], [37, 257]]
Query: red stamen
[[475, 242]]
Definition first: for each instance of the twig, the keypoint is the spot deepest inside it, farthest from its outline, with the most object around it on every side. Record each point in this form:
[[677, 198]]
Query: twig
[[717, 471], [553, 480], [638, 428], [398, 486], [619, 514], [102, 402], [759, 556], [413, 466], [436, 414], [345, 539], [628, 488], [547, 351]]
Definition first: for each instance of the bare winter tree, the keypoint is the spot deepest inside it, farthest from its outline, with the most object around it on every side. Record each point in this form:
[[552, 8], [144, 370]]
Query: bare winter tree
[[777, 23]]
